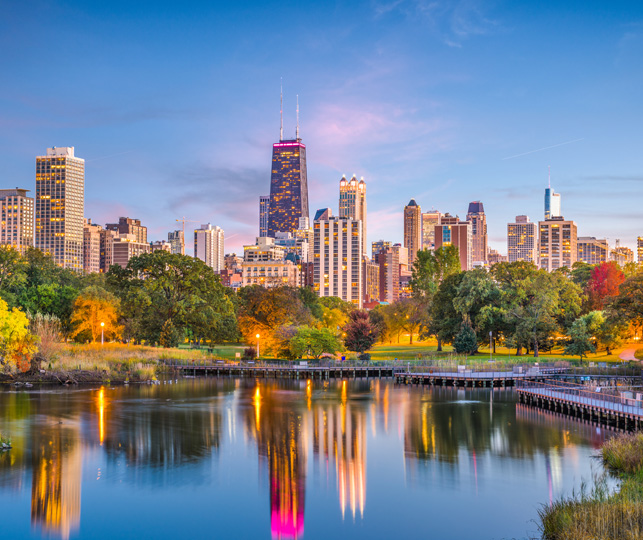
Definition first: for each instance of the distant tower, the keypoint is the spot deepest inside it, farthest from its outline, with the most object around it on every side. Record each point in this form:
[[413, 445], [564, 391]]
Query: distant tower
[[288, 183], [478, 220], [552, 202], [60, 206], [352, 203], [208, 246], [264, 209], [412, 230]]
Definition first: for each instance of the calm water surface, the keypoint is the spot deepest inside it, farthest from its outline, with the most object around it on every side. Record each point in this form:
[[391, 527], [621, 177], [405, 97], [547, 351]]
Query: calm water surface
[[226, 458]]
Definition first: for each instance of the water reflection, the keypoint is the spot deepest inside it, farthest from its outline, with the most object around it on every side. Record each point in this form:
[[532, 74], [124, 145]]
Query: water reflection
[[167, 436]]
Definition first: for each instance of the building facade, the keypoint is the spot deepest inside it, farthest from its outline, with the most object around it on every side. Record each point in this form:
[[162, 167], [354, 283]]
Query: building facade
[[639, 249], [160, 245], [352, 203], [91, 247], [106, 249], [371, 280], [378, 246], [264, 211], [60, 206], [557, 243], [125, 247], [127, 225], [208, 246], [522, 240], [389, 263], [552, 204], [430, 220], [288, 186], [338, 259], [176, 239], [270, 274], [412, 229], [453, 232], [479, 239], [17, 212], [621, 254], [592, 250]]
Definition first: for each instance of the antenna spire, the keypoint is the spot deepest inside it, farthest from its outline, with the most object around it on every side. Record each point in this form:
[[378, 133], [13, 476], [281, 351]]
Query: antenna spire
[[549, 174], [297, 135], [281, 111]]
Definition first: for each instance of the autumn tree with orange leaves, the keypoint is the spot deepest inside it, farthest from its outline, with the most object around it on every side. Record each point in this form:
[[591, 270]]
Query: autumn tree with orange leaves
[[93, 306]]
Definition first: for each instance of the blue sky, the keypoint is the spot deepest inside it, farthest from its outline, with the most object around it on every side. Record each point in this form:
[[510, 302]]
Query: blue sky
[[175, 106]]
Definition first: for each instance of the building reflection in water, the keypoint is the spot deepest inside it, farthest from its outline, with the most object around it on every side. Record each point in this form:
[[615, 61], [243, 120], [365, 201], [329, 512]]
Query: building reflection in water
[[56, 478]]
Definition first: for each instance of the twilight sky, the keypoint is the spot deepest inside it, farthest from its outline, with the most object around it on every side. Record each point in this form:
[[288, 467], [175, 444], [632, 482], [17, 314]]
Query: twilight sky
[[175, 106]]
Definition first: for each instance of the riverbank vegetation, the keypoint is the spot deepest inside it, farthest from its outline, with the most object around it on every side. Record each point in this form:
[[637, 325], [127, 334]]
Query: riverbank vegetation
[[170, 301], [599, 513]]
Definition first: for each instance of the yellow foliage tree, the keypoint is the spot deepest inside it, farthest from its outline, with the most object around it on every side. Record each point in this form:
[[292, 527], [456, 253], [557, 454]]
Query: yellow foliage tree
[[93, 306], [17, 344]]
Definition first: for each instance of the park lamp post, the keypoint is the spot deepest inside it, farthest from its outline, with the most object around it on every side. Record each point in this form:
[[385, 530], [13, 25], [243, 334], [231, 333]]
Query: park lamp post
[[102, 333], [490, 344], [258, 336]]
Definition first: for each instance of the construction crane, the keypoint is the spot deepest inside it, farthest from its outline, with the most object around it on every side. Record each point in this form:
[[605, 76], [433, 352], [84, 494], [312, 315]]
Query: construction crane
[[183, 221]]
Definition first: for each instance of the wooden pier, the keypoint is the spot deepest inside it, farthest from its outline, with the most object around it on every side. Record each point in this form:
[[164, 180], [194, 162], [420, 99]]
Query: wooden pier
[[475, 379], [582, 403]]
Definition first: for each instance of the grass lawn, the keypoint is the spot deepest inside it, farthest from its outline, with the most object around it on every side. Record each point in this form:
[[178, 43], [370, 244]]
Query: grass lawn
[[220, 351]]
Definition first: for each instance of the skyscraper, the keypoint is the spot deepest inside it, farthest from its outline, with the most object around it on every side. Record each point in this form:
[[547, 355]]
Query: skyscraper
[[91, 247], [429, 221], [60, 206], [208, 246], [264, 210], [522, 240], [478, 220], [412, 230], [453, 232], [16, 210], [177, 242], [552, 202], [338, 258], [558, 243], [352, 203], [288, 184]]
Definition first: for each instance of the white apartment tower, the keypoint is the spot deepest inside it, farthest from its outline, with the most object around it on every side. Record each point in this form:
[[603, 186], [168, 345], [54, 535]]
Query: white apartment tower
[[337, 255], [17, 219], [208, 246], [60, 206], [352, 203]]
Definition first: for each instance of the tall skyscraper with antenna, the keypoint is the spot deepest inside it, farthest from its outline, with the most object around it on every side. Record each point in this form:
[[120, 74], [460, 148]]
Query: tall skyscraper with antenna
[[552, 201], [288, 181]]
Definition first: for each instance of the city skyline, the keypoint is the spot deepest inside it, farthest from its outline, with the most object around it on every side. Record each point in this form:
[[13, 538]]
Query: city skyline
[[422, 101]]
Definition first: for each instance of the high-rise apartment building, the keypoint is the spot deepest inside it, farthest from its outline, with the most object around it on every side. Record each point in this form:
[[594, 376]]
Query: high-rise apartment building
[[478, 220], [592, 250], [429, 221], [208, 246], [60, 206], [639, 249], [621, 254], [522, 240], [412, 229], [264, 211], [288, 186], [558, 243], [337, 257], [16, 211], [126, 247], [127, 225], [352, 203], [91, 247], [453, 232], [389, 263], [371, 281], [177, 242], [378, 246], [265, 264], [106, 249]]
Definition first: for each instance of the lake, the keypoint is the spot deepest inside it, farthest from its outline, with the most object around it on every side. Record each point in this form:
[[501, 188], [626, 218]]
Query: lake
[[240, 458]]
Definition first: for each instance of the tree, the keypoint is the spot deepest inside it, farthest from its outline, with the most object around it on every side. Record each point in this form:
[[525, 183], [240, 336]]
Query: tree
[[314, 342], [604, 282], [627, 306], [606, 331], [12, 273], [360, 334], [581, 273], [378, 322], [446, 321], [47, 330], [465, 342], [580, 343], [17, 344], [431, 267], [96, 312]]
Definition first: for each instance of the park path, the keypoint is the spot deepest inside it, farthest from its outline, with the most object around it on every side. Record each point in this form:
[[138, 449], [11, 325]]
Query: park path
[[628, 355]]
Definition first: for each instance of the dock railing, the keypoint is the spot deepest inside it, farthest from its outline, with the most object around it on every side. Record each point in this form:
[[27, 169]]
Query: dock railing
[[582, 395]]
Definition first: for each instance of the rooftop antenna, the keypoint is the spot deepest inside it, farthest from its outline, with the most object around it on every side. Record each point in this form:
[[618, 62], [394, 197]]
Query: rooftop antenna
[[549, 174], [281, 111], [297, 135]]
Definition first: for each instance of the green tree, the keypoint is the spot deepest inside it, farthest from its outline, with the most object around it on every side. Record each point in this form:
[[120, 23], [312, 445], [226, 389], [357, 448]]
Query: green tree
[[12, 274], [580, 339], [446, 321], [360, 334], [431, 267], [628, 305], [314, 342], [465, 342]]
